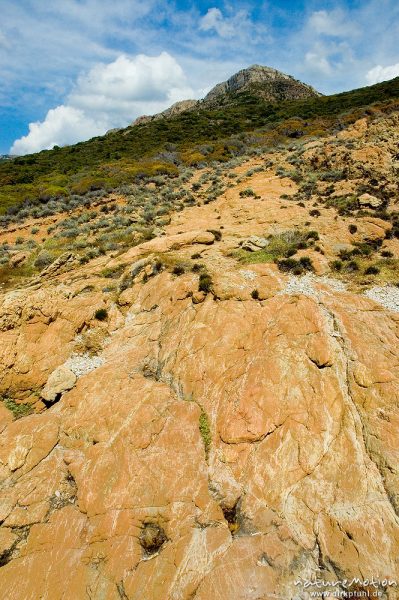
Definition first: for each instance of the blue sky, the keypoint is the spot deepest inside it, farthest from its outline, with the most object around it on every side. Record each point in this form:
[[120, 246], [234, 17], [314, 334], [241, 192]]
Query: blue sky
[[72, 69]]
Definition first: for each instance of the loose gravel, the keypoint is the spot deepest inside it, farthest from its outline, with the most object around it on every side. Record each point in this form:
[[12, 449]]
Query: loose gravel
[[81, 364], [305, 285], [387, 296]]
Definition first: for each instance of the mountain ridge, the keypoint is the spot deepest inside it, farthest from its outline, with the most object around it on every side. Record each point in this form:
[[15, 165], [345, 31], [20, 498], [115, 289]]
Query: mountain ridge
[[106, 162], [265, 82]]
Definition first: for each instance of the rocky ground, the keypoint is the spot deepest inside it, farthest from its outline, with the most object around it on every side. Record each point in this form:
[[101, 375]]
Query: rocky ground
[[204, 424]]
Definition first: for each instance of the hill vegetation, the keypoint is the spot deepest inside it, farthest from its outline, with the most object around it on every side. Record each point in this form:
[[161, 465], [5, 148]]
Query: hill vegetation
[[193, 138]]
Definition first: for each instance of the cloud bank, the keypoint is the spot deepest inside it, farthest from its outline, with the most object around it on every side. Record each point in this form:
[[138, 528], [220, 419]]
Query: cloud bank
[[380, 73], [109, 95]]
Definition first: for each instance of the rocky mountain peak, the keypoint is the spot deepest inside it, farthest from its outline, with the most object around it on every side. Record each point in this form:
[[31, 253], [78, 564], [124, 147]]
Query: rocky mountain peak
[[265, 82], [269, 83]]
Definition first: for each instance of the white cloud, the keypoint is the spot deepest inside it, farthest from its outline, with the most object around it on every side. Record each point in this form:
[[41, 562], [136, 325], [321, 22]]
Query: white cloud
[[62, 125], [380, 73], [109, 95], [215, 20], [236, 27], [143, 79], [317, 63], [333, 23]]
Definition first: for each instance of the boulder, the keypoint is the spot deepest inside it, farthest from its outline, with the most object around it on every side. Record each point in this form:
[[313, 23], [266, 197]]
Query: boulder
[[18, 259], [60, 380], [254, 243], [369, 200]]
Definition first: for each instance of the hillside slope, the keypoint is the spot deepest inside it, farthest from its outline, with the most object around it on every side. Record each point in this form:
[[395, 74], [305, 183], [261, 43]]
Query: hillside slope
[[192, 138], [208, 409]]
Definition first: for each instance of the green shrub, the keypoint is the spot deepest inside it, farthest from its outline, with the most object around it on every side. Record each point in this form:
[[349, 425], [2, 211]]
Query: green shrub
[[247, 193], [205, 431], [178, 270], [197, 267], [295, 266], [43, 259], [306, 263], [287, 264], [336, 265], [372, 270], [281, 245], [352, 266], [312, 235], [205, 283], [345, 205], [18, 410], [112, 272], [101, 314]]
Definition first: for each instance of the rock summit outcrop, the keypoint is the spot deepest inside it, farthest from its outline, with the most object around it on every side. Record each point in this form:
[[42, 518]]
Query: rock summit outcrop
[[265, 82]]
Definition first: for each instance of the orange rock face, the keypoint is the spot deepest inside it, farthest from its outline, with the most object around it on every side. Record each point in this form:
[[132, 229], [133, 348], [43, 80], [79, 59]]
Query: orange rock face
[[207, 444]]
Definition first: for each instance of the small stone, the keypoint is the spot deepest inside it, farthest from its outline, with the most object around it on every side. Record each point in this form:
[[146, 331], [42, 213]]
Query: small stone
[[198, 297]]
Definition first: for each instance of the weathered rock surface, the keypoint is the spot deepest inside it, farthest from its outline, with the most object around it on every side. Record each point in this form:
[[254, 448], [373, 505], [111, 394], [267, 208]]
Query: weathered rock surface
[[270, 84], [172, 111], [369, 200], [215, 444]]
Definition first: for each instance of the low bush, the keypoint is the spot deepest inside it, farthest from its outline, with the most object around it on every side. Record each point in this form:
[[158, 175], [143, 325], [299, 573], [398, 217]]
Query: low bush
[[101, 314], [247, 193], [178, 270], [205, 283], [297, 267], [372, 270], [336, 265], [18, 410], [43, 259]]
